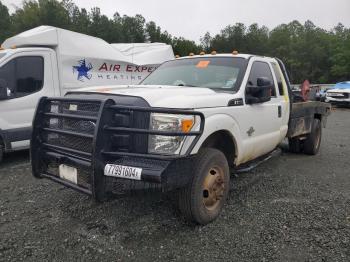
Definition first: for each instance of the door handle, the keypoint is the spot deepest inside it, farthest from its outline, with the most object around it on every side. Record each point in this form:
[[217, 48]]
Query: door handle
[[279, 111]]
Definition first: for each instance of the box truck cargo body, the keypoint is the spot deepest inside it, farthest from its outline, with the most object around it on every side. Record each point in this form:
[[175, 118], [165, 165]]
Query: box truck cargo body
[[49, 61]]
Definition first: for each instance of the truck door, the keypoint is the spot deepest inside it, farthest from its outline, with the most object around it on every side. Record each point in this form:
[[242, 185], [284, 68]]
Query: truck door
[[28, 76], [282, 95], [261, 122]]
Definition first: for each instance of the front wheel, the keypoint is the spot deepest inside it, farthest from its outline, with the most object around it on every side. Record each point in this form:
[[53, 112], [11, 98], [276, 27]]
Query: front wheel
[[202, 200]]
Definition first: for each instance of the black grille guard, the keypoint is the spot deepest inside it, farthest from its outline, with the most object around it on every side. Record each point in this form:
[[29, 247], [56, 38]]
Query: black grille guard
[[94, 159]]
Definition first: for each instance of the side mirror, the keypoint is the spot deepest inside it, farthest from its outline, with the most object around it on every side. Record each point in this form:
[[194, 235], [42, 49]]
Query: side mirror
[[4, 91], [260, 93]]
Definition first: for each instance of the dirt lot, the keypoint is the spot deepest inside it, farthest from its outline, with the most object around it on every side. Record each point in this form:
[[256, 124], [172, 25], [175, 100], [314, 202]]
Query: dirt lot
[[290, 208]]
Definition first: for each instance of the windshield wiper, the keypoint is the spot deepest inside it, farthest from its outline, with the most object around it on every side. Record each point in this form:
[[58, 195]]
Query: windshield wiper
[[187, 85]]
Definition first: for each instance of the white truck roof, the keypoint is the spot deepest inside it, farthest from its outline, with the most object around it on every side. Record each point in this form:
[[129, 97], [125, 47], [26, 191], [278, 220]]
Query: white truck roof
[[90, 61]]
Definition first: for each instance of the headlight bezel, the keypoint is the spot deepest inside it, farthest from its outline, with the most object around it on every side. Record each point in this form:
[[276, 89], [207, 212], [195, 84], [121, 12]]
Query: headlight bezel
[[166, 124]]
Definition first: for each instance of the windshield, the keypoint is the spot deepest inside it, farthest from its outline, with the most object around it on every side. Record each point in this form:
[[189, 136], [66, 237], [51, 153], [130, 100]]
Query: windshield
[[222, 73]]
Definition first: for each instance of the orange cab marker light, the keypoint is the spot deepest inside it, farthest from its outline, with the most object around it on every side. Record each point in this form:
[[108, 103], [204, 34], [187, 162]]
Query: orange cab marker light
[[191, 54], [177, 56], [235, 52], [213, 52], [202, 53], [187, 124]]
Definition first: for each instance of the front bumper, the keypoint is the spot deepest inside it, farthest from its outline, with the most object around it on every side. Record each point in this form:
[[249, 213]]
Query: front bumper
[[89, 133]]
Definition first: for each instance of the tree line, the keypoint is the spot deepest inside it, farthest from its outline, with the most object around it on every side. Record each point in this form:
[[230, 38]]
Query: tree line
[[309, 52]]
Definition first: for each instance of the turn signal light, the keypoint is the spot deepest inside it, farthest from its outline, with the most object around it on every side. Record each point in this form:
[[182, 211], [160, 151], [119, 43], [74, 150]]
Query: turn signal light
[[186, 125]]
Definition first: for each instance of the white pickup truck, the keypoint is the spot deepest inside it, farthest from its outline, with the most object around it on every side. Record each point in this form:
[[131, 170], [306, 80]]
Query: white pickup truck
[[184, 129], [49, 61]]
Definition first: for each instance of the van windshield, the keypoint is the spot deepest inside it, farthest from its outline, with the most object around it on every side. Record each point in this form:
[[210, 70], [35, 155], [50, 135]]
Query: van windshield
[[221, 73]]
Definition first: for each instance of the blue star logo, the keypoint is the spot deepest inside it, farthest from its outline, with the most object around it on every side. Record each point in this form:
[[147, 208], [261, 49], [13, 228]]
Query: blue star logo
[[83, 70]]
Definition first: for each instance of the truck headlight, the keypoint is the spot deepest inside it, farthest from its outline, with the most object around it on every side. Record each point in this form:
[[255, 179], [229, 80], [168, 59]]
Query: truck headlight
[[160, 144]]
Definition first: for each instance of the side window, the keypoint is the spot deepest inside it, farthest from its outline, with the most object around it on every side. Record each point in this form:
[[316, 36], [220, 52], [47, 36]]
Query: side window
[[261, 69], [24, 75], [279, 78]]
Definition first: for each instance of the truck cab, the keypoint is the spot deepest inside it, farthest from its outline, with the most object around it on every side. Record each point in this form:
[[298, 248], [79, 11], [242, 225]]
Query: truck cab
[[184, 129]]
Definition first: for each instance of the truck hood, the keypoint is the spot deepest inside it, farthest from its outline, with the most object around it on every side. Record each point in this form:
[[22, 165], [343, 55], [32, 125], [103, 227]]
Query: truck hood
[[168, 96]]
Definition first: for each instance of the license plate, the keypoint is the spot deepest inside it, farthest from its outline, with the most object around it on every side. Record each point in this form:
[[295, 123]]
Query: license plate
[[123, 171], [68, 173]]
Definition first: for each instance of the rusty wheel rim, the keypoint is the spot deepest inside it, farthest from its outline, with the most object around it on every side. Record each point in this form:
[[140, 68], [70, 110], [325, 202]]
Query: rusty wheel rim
[[213, 188]]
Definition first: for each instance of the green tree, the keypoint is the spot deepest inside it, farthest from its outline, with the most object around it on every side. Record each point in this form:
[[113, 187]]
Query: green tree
[[184, 47], [133, 29], [206, 42], [5, 23], [42, 12], [340, 53]]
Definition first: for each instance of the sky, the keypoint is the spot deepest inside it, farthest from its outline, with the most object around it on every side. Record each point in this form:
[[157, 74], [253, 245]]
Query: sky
[[193, 18]]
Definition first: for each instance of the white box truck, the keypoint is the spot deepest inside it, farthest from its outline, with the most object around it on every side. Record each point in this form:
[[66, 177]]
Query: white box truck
[[49, 61]]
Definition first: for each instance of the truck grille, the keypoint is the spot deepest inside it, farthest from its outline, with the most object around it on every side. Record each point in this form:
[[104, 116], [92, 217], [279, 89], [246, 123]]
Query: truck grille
[[85, 134], [70, 124], [67, 128]]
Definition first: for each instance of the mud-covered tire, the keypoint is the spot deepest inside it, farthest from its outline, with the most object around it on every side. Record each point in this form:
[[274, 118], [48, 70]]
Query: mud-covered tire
[[313, 141], [195, 199], [294, 145]]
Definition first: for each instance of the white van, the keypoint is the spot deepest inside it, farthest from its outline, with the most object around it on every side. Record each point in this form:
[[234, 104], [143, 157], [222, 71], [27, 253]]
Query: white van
[[49, 61]]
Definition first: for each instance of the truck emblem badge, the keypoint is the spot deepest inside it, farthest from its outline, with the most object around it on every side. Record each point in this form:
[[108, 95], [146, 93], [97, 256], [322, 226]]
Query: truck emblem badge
[[83, 70], [250, 131], [235, 102]]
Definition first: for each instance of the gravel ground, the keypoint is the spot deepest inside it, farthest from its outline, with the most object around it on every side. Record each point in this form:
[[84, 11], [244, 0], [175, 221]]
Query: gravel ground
[[290, 208]]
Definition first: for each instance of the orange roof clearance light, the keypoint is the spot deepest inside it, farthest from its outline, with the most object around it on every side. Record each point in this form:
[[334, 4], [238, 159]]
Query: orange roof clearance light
[[235, 52], [202, 53], [191, 54], [213, 52], [177, 56]]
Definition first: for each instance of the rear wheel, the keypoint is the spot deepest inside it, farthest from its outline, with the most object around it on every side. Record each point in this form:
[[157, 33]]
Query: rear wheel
[[1, 152], [313, 141], [204, 197]]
